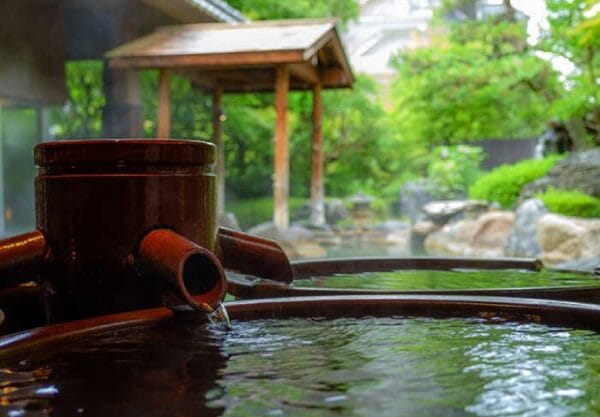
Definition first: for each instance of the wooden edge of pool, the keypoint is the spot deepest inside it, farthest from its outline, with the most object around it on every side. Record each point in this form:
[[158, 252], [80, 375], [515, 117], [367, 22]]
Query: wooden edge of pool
[[243, 286], [550, 312], [239, 286], [330, 266]]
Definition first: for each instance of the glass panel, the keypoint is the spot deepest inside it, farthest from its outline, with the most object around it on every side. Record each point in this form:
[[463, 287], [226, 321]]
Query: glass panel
[[19, 131]]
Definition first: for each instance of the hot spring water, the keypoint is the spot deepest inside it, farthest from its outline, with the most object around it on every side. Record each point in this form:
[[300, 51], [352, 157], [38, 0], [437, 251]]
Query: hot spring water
[[449, 280], [396, 366]]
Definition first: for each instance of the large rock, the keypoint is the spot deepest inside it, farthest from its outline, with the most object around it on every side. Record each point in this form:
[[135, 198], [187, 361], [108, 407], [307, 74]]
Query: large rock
[[580, 171], [484, 236], [523, 241], [297, 241], [437, 213], [442, 212], [565, 238]]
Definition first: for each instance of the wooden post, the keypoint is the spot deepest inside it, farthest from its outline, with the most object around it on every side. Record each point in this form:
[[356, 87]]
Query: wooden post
[[281, 175], [317, 192], [218, 140], [164, 115]]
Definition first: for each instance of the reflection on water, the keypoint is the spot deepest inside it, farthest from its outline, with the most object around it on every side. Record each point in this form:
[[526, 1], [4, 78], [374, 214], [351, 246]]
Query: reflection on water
[[315, 367], [463, 279]]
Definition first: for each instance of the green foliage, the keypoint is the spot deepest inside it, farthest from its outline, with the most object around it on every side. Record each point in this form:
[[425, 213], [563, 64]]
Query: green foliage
[[453, 169], [248, 136], [503, 184], [381, 209], [574, 35], [250, 212], [478, 82], [191, 110], [81, 115], [467, 8], [360, 154], [571, 203], [276, 9]]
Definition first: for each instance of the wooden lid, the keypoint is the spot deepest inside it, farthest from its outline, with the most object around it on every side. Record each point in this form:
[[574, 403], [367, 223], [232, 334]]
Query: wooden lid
[[124, 152]]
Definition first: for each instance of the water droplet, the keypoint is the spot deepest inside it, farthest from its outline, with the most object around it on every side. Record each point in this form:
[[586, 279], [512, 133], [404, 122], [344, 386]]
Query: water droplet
[[220, 317], [50, 390]]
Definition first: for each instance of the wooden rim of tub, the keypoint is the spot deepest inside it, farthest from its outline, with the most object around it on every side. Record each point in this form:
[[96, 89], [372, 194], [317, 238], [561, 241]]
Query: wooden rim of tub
[[243, 286], [550, 312]]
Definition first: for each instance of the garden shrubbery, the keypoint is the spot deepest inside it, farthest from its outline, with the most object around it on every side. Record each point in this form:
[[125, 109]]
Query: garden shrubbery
[[570, 203], [250, 212], [503, 184], [452, 169]]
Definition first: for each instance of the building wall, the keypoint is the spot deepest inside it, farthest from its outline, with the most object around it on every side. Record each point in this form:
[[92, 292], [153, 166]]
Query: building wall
[[505, 151], [32, 52]]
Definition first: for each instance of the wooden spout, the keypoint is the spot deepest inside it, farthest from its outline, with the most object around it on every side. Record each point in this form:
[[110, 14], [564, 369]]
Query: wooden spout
[[253, 255], [21, 257], [194, 274]]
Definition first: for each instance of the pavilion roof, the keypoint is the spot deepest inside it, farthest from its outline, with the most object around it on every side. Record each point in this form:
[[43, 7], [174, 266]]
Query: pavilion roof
[[243, 57]]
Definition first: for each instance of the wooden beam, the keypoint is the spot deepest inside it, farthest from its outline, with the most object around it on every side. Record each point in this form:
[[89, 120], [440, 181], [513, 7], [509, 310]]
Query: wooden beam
[[201, 80], [305, 72], [317, 192], [335, 77], [236, 59], [319, 44], [323, 58], [164, 111], [218, 140], [281, 175], [342, 60]]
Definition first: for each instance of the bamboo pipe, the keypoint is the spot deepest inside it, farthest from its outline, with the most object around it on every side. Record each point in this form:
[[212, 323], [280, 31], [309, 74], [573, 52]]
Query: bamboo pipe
[[21, 258], [194, 274]]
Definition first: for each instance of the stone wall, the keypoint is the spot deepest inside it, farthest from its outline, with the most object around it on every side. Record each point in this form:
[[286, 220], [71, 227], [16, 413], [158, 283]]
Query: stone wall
[[580, 171]]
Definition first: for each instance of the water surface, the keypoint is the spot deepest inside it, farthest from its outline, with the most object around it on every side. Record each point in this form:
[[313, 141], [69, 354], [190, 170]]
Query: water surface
[[449, 280], [315, 367]]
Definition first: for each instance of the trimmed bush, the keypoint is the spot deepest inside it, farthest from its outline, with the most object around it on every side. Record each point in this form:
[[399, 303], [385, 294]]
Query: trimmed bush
[[503, 184], [570, 203]]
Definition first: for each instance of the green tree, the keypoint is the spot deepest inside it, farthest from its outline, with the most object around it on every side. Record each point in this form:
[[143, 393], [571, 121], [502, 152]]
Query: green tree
[[453, 169], [479, 80], [574, 35], [248, 136], [191, 109], [81, 115], [359, 154]]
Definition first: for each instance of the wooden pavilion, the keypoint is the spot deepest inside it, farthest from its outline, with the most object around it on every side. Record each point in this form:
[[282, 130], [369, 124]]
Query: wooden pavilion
[[258, 56]]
